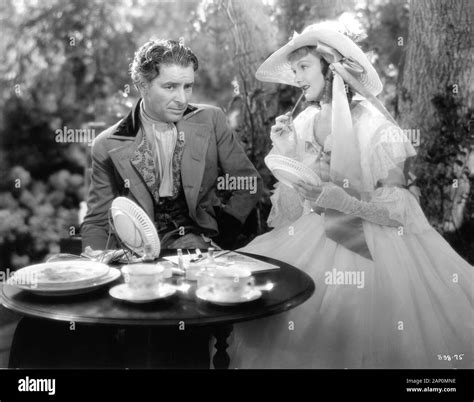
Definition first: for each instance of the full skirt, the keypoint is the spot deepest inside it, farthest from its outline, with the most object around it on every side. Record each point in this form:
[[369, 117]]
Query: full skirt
[[409, 307]]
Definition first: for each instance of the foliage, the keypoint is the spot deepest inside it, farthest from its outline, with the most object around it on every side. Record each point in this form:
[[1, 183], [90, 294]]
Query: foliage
[[450, 143], [64, 64], [36, 214]]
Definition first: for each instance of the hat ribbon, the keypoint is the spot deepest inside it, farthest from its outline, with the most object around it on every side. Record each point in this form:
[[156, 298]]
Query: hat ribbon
[[331, 55]]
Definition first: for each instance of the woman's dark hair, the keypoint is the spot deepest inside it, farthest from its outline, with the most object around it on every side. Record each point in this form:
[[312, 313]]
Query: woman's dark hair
[[326, 71], [153, 54]]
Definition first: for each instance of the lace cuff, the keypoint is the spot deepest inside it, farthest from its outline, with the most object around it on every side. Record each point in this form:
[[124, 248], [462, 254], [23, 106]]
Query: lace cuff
[[388, 206], [402, 207]]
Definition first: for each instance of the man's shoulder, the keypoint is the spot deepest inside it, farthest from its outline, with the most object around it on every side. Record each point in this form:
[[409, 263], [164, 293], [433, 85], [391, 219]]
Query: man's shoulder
[[101, 140], [202, 112], [206, 107]]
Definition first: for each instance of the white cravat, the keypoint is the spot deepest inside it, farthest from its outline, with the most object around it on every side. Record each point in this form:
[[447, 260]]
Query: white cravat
[[163, 137]]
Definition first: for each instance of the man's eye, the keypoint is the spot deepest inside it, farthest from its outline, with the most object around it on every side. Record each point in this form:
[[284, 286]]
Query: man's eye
[[169, 87]]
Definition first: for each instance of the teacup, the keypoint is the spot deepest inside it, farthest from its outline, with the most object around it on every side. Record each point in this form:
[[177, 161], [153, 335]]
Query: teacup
[[229, 282], [143, 278]]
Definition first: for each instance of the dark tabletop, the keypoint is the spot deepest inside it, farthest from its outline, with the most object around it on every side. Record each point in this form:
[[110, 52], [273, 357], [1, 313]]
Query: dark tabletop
[[292, 287]]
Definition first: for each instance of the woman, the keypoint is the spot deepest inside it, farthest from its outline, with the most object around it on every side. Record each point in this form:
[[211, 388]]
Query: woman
[[390, 291]]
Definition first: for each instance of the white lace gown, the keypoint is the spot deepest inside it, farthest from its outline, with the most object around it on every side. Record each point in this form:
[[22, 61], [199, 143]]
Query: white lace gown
[[413, 308]]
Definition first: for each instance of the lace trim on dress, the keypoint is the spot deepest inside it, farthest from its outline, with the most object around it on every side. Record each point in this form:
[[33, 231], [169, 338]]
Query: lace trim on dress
[[387, 156], [383, 146]]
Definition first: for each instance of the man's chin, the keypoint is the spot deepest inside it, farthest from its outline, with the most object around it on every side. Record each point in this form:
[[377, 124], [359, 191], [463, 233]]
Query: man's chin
[[174, 117]]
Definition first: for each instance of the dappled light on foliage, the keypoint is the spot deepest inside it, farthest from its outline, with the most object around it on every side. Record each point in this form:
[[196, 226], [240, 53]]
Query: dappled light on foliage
[[65, 78]]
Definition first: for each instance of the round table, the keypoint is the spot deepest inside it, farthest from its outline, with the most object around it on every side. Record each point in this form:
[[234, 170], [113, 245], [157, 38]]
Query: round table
[[291, 288]]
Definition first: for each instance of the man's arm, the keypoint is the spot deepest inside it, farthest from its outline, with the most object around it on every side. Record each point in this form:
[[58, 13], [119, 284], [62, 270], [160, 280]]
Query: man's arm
[[235, 163], [102, 191]]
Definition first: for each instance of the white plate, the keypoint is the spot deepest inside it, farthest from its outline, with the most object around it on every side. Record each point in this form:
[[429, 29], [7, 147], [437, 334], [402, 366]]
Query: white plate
[[59, 275], [289, 171], [123, 292], [205, 294], [134, 227], [112, 275]]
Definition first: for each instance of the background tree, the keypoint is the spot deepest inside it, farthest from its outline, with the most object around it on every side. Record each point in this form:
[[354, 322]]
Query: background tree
[[435, 96], [65, 63]]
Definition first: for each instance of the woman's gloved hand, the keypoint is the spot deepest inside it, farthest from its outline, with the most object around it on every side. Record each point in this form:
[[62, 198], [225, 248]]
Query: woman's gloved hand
[[283, 136], [329, 195]]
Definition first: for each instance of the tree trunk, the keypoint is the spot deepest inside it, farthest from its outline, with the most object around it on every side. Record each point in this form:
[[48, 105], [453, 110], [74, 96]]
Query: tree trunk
[[435, 98], [254, 105], [439, 60], [254, 39]]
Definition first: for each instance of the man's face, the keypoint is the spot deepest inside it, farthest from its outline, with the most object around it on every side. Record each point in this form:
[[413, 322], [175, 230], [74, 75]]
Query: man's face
[[167, 96]]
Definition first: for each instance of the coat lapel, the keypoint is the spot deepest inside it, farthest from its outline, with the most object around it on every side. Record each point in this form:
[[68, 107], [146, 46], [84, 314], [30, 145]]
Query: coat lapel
[[142, 159], [122, 158], [194, 160]]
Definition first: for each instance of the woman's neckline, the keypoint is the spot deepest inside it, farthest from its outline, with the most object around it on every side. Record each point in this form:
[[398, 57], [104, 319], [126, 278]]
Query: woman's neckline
[[321, 142]]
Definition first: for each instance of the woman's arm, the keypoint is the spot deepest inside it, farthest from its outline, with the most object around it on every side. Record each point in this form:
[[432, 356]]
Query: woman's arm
[[389, 204], [331, 196]]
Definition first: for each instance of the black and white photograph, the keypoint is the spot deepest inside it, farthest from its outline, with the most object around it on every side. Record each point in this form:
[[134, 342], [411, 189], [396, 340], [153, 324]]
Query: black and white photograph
[[239, 194]]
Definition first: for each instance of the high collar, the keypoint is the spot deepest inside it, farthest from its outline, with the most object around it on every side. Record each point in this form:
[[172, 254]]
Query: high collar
[[130, 124]]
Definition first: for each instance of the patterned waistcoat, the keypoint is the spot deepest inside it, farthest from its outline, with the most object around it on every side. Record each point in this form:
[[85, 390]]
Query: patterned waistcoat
[[171, 213]]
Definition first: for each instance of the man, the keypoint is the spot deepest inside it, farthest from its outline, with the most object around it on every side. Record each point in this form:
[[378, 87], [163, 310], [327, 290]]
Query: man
[[165, 156]]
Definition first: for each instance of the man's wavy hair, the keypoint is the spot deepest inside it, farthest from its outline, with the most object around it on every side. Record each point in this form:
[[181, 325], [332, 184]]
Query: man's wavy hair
[[152, 55]]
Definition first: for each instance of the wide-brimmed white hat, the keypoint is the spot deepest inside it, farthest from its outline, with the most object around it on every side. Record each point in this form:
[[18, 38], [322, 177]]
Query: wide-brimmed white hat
[[330, 42]]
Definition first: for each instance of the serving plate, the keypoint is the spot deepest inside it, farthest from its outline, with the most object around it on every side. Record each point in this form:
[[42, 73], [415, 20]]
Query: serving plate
[[59, 274], [73, 289]]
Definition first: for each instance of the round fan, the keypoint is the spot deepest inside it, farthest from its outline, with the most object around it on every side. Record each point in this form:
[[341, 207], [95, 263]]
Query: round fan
[[133, 226], [289, 171]]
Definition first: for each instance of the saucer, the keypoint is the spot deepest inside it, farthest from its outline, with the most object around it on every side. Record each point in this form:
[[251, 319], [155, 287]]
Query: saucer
[[205, 294], [123, 292]]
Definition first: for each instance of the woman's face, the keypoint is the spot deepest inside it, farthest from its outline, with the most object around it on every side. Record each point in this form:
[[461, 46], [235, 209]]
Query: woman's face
[[309, 76]]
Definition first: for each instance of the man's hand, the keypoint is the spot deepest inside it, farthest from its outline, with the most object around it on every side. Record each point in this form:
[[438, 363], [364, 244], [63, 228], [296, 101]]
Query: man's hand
[[190, 240]]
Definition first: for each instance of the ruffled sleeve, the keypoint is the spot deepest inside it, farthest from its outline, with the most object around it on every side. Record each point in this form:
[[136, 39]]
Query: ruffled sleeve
[[287, 206], [390, 149]]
